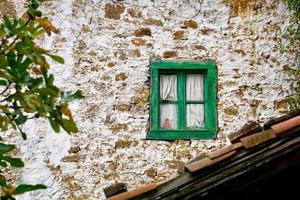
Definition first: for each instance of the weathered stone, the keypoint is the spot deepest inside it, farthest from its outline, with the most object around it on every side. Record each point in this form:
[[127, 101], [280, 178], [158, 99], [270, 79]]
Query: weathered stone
[[178, 35], [108, 120], [134, 13], [135, 53], [121, 77], [123, 143], [170, 54], [280, 105], [138, 42], [142, 32], [79, 197], [7, 8], [244, 8], [141, 99], [152, 172], [174, 164], [92, 108], [254, 102], [135, 22], [190, 24], [118, 127], [81, 45], [151, 21], [74, 187], [231, 111], [206, 31], [111, 64], [85, 29], [72, 158], [114, 11], [74, 149], [200, 47], [122, 107], [121, 55]]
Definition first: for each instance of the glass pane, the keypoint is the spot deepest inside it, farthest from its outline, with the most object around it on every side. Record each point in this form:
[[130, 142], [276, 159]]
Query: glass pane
[[194, 87], [168, 87], [168, 116], [195, 115]]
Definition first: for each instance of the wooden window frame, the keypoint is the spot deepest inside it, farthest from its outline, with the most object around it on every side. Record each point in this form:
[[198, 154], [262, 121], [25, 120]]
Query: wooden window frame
[[209, 70]]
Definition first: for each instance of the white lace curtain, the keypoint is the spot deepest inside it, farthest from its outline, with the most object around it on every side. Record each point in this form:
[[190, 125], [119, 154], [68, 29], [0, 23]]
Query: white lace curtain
[[168, 87], [194, 91], [168, 91]]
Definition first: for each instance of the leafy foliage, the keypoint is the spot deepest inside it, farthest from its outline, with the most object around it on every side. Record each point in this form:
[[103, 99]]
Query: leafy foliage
[[293, 35], [27, 89]]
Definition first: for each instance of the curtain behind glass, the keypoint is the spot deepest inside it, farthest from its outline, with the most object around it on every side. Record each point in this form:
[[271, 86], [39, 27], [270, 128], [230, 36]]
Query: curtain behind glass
[[194, 87], [168, 87], [168, 116], [195, 115], [194, 92]]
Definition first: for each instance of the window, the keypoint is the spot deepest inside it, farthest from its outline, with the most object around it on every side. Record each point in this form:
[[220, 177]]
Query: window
[[183, 100]]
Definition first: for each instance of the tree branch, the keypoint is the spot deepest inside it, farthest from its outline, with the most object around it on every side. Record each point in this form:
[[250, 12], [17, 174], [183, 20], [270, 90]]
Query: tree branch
[[5, 89]]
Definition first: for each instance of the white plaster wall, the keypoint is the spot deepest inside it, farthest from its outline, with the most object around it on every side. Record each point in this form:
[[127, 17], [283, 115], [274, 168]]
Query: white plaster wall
[[113, 72]]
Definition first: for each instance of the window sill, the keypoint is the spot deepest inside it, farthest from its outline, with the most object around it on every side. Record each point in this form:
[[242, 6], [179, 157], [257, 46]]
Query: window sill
[[204, 134]]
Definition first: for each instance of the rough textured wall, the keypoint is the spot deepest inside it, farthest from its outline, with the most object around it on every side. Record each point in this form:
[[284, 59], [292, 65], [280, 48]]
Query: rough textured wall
[[107, 46]]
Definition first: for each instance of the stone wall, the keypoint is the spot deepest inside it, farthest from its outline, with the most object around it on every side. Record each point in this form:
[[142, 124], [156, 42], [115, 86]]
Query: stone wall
[[107, 46]]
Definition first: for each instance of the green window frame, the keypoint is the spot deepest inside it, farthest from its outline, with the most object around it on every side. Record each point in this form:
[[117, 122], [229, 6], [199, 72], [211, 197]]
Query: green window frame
[[181, 69]]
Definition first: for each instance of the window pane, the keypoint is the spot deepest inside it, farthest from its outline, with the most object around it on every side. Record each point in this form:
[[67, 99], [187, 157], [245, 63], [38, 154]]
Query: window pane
[[194, 87], [168, 87], [195, 115], [168, 116]]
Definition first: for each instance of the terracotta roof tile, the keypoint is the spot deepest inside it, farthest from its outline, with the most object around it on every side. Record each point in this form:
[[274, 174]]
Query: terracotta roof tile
[[197, 165], [249, 136], [257, 138], [286, 125], [248, 129], [134, 192], [274, 121], [224, 150]]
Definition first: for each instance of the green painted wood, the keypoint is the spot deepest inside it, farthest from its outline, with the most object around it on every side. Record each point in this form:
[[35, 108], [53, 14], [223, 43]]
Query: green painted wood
[[182, 134], [159, 64], [154, 97], [211, 105], [183, 85], [208, 68], [194, 102], [180, 93]]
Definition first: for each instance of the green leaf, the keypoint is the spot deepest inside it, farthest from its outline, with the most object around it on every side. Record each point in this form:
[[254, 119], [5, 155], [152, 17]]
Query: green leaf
[[4, 122], [69, 126], [7, 197], [23, 134], [20, 119], [70, 97], [3, 61], [8, 27], [27, 188], [3, 181], [34, 83], [3, 82], [15, 162], [3, 164], [54, 124], [4, 148], [57, 58]]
